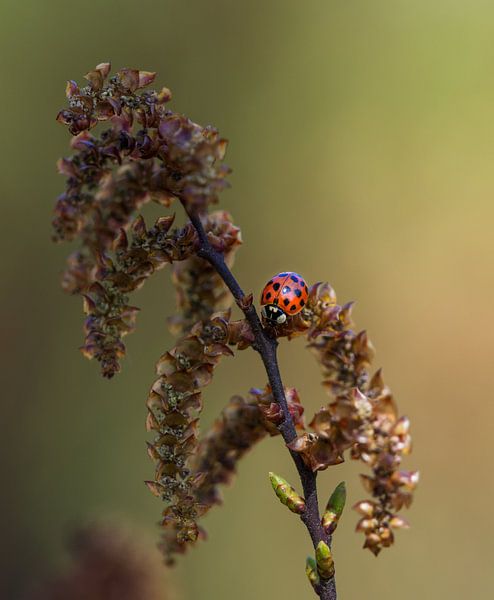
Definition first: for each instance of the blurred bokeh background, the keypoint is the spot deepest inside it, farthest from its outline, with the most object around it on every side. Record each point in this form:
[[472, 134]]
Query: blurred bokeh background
[[364, 127]]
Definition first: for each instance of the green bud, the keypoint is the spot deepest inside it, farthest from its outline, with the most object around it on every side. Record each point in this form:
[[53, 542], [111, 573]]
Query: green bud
[[287, 495], [324, 559], [334, 508], [311, 571]]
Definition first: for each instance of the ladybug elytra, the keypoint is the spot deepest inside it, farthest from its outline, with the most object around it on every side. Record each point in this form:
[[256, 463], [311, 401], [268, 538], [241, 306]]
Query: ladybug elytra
[[284, 294]]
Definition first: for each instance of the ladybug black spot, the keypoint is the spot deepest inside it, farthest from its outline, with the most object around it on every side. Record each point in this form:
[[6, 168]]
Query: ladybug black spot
[[298, 293], [285, 290], [293, 278], [276, 286], [302, 303], [282, 274], [302, 283], [293, 307], [306, 288], [268, 295], [286, 302]]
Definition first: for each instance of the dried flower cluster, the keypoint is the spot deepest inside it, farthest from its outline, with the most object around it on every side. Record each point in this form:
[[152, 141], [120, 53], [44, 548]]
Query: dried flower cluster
[[109, 316], [200, 290], [189, 156], [189, 472], [362, 418], [242, 423], [173, 403], [149, 153], [238, 428], [271, 411], [212, 461]]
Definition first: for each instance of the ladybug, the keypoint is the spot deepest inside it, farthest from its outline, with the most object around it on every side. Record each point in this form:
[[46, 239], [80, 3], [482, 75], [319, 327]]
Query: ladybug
[[284, 294]]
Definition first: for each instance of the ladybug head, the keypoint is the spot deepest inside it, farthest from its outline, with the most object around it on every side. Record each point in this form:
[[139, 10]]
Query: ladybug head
[[273, 314]]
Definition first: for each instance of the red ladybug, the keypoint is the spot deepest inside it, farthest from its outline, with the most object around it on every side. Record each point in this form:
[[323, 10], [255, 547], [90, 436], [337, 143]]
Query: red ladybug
[[284, 294]]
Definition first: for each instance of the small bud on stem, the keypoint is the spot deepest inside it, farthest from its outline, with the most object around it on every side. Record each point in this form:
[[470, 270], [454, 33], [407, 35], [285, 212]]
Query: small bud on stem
[[287, 495], [334, 508], [311, 571], [325, 563]]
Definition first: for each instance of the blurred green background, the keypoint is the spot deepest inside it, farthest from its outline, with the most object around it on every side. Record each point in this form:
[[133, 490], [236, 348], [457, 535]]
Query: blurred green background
[[362, 142]]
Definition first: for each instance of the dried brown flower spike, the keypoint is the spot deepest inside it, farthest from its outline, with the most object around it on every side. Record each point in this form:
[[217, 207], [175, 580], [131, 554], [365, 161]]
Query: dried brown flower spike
[[142, 152], [362, 418], [145, 153]]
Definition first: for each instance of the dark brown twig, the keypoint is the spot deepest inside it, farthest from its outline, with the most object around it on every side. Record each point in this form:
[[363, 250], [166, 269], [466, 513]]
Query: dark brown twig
[[267, 348]]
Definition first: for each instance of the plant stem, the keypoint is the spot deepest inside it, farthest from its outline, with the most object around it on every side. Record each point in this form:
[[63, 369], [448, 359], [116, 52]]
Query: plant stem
[[267, 348]]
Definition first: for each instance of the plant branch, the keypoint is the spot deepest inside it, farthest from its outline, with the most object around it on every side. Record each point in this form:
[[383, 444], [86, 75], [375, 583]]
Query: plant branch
[[267, 348]]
